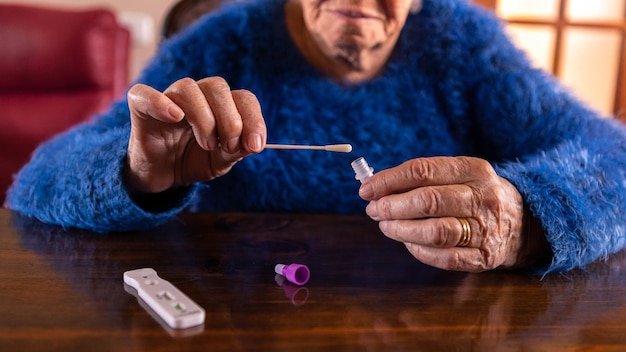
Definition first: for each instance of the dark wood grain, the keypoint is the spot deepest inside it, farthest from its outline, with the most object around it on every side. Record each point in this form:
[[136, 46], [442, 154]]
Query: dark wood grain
[[62, 290]]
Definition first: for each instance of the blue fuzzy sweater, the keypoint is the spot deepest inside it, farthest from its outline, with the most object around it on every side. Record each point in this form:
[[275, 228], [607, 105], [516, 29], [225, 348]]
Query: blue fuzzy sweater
[[455, 85]]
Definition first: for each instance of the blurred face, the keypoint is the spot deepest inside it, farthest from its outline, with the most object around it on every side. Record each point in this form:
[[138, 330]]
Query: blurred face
[[359, 35]]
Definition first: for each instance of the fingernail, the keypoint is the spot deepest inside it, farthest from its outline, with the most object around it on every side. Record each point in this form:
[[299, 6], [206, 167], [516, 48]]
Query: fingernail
[[175, 112], [232, 146], [366, 191], [254, 142], [372, 210]]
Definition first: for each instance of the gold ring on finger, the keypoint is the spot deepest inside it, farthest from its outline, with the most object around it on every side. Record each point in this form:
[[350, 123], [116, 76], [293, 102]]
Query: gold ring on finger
[[466, 234]]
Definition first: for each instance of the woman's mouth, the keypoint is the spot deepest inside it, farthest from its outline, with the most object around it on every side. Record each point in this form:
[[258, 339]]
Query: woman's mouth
[[352, 14]]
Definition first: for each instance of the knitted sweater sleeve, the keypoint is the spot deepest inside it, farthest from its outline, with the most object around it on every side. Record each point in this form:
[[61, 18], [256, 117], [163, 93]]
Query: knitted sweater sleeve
[[74, 180], [568, 163]]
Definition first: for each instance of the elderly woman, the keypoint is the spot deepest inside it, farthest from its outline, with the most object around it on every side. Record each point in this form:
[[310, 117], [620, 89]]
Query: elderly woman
[[484, 162]]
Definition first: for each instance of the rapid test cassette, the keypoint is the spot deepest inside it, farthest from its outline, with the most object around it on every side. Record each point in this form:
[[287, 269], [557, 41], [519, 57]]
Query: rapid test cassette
[[168, 302]]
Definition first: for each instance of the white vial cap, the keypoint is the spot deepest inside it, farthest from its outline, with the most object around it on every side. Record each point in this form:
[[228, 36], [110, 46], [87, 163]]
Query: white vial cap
[[362, 169]]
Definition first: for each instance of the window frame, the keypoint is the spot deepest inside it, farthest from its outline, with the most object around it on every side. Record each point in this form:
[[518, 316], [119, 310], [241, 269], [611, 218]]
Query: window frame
[[559, 25]]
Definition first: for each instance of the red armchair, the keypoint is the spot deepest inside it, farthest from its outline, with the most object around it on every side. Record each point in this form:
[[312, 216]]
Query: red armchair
[[57, 68]]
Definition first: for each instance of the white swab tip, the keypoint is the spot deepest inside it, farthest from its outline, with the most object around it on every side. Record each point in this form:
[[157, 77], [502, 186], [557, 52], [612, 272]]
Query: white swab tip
[[342, 148]]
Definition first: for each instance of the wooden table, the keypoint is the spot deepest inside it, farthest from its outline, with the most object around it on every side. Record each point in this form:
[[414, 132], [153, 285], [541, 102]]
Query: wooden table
[[62, 290]]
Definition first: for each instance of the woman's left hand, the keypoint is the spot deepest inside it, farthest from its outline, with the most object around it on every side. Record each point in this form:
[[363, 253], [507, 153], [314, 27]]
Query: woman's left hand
[[423, 202]]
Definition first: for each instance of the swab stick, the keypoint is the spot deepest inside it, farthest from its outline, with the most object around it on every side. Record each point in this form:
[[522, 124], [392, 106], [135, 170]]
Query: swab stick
[[342, 148]]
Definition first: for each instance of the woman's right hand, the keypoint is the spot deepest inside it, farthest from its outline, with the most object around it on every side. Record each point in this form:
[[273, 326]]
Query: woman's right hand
[[193, 131]]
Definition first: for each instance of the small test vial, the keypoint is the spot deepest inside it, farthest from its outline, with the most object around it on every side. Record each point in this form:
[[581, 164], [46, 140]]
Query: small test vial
[[362, 170]]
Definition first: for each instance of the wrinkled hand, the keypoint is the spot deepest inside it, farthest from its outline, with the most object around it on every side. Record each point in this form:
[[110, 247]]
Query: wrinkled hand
[[418, 203], [193, 131]]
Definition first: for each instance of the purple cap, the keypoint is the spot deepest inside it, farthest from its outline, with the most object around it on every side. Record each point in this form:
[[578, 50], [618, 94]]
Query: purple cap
[[296, 273]]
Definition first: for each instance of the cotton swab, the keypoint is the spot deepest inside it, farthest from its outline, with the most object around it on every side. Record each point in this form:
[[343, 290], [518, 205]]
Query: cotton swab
[[342, 148]]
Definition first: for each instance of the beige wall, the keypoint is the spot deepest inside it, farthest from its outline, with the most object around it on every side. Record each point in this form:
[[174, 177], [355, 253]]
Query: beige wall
[[154, 9]]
